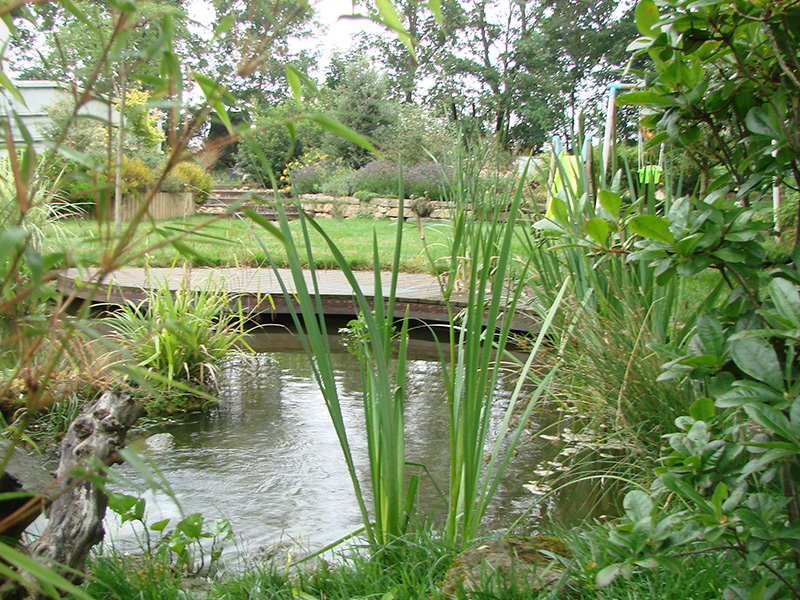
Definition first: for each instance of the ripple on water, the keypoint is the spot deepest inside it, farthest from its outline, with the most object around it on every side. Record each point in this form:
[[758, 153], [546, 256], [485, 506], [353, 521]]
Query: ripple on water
[[269, 460]]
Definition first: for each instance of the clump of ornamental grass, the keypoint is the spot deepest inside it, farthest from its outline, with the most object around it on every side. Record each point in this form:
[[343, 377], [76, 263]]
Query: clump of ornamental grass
[[173, 344], [613, 374]]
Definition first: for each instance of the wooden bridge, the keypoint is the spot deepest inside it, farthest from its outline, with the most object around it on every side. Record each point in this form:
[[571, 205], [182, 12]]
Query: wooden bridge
[[259, 293]]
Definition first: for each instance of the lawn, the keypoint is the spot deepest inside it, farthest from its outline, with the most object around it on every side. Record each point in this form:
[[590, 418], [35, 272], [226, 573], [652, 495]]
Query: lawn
[[230, 242]]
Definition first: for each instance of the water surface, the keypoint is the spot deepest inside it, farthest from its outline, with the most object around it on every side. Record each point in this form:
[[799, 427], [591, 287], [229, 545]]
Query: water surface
[[268, 458]]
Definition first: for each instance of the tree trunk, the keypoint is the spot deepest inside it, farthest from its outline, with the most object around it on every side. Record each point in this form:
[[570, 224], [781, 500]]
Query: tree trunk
[[123, 90], [76, 516]]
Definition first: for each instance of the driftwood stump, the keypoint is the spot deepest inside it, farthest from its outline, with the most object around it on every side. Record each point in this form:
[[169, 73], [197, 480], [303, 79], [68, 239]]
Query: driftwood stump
[[76, 515]]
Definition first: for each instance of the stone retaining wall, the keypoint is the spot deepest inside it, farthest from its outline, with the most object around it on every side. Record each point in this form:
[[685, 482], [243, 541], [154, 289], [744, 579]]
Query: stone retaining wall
[[322, 206]]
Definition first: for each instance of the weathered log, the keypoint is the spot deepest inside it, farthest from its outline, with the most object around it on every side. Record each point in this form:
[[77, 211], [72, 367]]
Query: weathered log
[[76, 515]]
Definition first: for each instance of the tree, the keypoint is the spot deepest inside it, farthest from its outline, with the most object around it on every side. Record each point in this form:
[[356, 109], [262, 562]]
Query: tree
[[577, 48], [255, 43], [358, 96], [55, 44], [434, 39], [515, 69]]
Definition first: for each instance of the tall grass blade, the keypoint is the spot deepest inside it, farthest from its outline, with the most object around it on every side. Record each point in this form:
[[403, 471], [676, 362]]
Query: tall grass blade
[[383, 389], [479, 336]]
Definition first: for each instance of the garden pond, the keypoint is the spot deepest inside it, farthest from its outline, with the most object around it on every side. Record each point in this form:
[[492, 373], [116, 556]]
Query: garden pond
[[268, 458]]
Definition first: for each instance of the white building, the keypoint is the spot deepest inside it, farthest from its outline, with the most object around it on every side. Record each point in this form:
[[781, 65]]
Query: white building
[[31, 106], [37, 96]]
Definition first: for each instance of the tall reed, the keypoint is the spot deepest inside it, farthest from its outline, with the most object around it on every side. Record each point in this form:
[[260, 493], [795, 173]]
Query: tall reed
[[626, 311], [383, 386], [480, 257], [484, 225]]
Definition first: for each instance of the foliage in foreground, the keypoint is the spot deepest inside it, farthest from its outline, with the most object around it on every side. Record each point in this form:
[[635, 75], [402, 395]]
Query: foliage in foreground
[[730, 474], [724, 86], [353, 573]]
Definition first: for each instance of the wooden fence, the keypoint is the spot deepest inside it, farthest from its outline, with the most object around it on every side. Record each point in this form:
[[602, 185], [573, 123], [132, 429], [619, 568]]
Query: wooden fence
[[164, 205]]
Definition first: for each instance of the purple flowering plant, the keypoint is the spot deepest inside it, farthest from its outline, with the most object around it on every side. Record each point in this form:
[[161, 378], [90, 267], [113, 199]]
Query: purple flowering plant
[[383, 178]]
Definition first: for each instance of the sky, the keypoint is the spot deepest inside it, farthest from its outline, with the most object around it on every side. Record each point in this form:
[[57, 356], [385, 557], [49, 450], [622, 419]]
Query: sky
[[336, 35]]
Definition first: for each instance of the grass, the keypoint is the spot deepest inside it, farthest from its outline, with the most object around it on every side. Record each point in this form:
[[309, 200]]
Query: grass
[[343, 575], [230, 243], [355, 574]]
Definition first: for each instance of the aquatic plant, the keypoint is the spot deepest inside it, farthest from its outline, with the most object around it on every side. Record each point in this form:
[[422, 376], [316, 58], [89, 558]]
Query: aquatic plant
[[484, 225], [477, 339], [383, 392], [177, 340]]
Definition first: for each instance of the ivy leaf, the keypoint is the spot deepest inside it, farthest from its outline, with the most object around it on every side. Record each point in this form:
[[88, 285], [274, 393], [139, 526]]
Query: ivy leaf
[[192, 526], [159, 525]]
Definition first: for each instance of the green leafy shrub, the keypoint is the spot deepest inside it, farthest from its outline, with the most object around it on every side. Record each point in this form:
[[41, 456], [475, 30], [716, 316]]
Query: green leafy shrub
[[182, 547], [365, 196], [142, 120], [731, 466], [136, 177], [278, 144], [309, 173], [172, 184], [786, 215], [195, 180]]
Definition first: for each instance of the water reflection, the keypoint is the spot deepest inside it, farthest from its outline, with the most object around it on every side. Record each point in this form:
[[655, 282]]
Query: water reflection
[[269, 460]]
